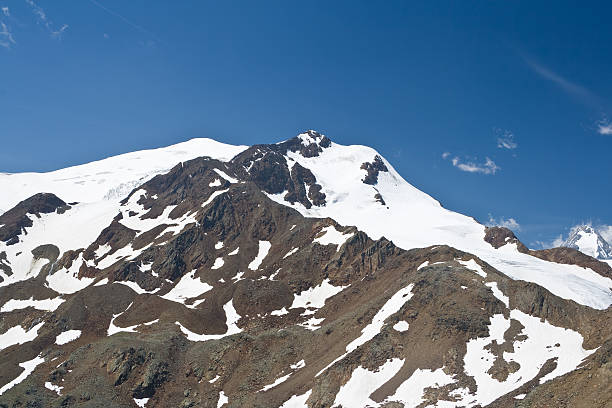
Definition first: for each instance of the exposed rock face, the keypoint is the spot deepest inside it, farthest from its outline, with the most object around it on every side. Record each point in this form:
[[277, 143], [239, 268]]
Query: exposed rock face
[[202, 288], [500, 236], [373, 169], [14, 221]]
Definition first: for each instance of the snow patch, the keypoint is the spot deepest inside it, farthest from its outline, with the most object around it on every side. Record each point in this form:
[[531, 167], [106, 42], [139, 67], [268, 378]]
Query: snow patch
[[17, 335], [331, 236], [28, 368], [48, 305], [264, 247], [231, 319], [67, 337]]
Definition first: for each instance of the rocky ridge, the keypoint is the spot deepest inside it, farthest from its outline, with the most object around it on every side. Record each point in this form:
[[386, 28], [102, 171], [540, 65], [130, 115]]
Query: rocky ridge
[[203, 291]]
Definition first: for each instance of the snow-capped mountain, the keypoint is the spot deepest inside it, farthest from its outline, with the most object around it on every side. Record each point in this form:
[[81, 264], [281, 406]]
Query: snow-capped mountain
[[587, 240], [298, 274]]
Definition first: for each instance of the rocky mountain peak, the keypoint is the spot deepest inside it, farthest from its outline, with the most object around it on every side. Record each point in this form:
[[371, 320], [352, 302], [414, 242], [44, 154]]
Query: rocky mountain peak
[[586, 239]]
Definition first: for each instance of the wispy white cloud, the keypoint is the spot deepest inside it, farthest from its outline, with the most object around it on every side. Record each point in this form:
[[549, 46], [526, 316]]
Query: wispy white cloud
[[505, 139], [509, 223], [58, 33], [554, 243], [6, 12], [488, 167], [44, 20], [565, 84], [445, 155], [6, 37], [604, 127]]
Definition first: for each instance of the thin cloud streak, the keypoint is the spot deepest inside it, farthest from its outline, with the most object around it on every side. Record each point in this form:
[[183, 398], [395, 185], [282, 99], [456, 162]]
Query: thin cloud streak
[[6, 37], [39, 12], [125, 20], [571, 88]]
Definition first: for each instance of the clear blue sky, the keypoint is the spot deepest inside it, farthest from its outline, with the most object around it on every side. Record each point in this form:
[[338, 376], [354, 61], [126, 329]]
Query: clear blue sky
[[82, 80]]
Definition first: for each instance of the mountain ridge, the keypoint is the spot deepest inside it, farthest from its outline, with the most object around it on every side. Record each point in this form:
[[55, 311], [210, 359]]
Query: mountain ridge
[[214, 284]]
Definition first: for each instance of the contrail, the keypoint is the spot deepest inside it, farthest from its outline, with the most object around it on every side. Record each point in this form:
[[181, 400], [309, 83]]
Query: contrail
[[125, 20]]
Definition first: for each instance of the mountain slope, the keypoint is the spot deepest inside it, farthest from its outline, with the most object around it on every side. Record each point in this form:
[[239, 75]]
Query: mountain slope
[[587, 240], [208, 286]]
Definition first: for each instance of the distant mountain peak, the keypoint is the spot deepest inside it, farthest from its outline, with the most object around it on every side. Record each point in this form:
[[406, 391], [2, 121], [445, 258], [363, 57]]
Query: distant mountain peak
[[586, 239]]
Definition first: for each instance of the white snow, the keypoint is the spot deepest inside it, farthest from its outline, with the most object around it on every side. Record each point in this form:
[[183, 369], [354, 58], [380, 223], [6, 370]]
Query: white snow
[[498, 293], [279, 312], [225, 176], [214, 183], [101, 282], [312, 324], [188, 287], [331, 236], [530, 354], [28, 368], [66, 281], [293, 251], [112, 329], [222, 399], [135, 287], [234, 252], [133, 212], [297, 401], [219, 245], [238, 277], [588, 243], [413, 219], [87, 219], [298, 365], [67, 336], [218, 263], [48, 305], [231, 320], [17, 335], [392, 306], [264, 247], [55, 388], [141, 402], [109, 179], [410, 392], [278, 381], [401, 326], [316, 296], [423, 265], [213, 195], [363, 382], [214, 379], [473, 265], [520, 396]]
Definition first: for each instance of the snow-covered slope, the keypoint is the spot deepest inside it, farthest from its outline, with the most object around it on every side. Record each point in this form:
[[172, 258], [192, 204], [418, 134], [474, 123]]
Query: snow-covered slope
[[97, 187], [110, 179], [408, 217], [587, 240], [413, 219]]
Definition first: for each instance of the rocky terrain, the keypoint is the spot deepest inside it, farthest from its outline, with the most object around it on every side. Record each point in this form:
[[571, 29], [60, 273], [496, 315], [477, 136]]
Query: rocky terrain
[[298, 274]]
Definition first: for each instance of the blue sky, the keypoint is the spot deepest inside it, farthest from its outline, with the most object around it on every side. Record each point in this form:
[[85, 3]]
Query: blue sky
[[500, 110]]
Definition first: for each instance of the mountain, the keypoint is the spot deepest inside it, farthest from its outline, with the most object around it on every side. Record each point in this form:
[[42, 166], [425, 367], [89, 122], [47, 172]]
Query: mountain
[[298, 274], [586, 239]]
